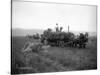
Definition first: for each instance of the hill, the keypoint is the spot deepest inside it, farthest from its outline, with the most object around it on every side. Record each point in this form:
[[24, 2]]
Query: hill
[[24, 32]]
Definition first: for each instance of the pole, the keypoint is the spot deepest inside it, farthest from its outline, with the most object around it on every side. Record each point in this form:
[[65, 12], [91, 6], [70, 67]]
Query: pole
[[68, 28]]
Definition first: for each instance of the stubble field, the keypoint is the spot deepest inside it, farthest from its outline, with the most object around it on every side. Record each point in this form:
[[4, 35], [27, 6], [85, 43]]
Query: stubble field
[[54, 59]]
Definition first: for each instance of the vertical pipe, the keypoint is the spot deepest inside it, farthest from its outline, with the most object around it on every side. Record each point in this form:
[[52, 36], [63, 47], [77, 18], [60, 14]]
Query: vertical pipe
[[68, 28]]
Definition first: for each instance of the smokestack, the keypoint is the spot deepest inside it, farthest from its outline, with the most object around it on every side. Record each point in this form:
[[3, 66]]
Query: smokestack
[[68, 28]]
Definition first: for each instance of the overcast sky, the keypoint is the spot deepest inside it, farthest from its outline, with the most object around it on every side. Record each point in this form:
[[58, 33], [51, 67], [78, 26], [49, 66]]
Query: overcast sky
[[33, 15]]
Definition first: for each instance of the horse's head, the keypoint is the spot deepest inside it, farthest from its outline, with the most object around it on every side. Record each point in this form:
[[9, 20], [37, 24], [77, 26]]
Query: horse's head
[[86, 34]]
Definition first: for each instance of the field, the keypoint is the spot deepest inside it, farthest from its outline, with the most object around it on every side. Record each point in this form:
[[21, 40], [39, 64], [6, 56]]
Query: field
[[54, 59]]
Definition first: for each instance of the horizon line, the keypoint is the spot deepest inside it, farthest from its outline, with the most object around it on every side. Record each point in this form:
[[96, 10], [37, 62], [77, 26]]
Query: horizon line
[[52, 29]]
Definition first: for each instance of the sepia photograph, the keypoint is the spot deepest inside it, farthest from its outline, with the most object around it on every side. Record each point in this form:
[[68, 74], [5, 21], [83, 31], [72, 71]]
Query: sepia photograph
[[52, 37]]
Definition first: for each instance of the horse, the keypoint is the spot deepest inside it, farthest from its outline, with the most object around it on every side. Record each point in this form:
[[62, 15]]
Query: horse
[[81, 40]]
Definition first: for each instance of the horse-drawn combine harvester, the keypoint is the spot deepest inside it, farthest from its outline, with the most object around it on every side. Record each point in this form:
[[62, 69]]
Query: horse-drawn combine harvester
[[56, 38], [60, 38]]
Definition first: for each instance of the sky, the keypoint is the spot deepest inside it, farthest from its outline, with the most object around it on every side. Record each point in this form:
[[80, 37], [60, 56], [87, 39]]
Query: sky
[[38, 15]]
